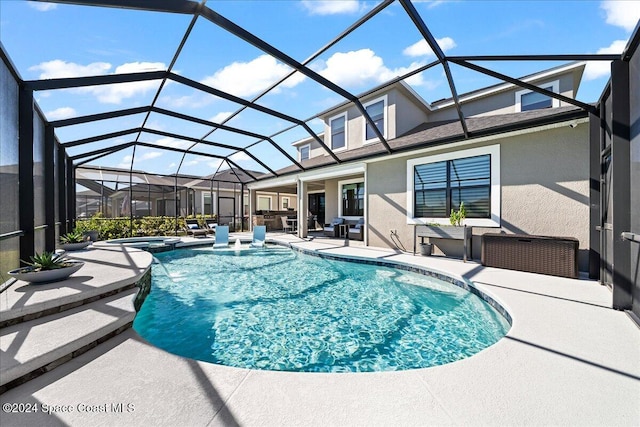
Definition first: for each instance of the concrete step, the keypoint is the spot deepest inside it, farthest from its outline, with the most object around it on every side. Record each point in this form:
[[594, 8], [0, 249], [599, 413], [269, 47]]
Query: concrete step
[[37, 346]]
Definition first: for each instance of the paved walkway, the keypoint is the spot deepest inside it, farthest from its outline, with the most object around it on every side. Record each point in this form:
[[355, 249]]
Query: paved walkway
[[569, 359]]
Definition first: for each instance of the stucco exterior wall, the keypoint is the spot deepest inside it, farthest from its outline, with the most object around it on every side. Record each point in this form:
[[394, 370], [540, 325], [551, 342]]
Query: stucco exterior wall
[[501, 103], [544, 190]]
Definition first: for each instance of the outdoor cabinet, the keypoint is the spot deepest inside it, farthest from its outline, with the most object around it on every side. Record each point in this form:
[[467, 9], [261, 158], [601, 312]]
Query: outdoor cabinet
[[556, 256]]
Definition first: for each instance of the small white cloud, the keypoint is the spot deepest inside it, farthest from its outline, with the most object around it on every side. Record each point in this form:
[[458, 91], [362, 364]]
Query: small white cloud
[[108, 94], [149, 155], [331, 7], [221, 116], [361, 67], [623, 14], [597, 69], [249, 78], [115, 93], [239, 157], [61, 113], [173, 143], [58, 68], [422, 48], [42, 6]]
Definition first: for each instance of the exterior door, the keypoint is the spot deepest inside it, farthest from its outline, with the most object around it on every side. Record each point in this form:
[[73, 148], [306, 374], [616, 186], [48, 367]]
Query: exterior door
[[316, 208]]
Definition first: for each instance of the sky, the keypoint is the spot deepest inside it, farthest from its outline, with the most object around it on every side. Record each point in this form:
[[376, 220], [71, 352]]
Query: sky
[[47, 40]]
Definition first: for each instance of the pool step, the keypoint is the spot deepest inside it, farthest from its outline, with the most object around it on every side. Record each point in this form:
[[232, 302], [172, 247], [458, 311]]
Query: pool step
[[34, 347]]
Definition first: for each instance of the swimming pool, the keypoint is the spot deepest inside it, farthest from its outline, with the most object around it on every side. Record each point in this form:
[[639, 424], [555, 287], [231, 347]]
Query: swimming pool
[[279, 309]]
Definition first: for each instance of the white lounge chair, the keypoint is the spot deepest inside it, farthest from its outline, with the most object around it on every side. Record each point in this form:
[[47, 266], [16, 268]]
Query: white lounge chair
[[222, 236], [259, 236]]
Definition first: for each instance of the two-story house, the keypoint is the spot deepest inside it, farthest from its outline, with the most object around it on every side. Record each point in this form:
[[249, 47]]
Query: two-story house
[[520, 166]]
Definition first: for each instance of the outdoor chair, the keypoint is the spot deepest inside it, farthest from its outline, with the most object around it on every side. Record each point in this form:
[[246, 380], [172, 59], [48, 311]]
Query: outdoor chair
[[211, 225], [356, 231], [333, 228], [286, 225], [222, 236], [259, 236], [194, 229]]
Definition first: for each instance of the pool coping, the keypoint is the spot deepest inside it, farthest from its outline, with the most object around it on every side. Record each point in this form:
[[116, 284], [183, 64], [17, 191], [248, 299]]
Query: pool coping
[[568, 359]]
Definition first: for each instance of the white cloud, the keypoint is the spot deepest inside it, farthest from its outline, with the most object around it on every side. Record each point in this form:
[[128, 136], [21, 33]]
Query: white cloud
[[358, 68], [422, 48], [239, 157], [115, 93], [61, 113], [249, 78], [597, 69], [623, 14], [57, 69], [220, 117], [149, 155], [107, 94], [173, 143], [41, 6], [331, 7]]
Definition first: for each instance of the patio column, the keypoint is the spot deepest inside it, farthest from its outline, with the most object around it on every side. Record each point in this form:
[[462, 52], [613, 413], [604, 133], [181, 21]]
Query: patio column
[[303, 209]]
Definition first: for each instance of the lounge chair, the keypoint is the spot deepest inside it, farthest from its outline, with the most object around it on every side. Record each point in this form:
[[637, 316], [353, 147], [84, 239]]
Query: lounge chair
[[333, 228], [211, 225], [222, 236], [259, 236], [194, 229], [356, 231]]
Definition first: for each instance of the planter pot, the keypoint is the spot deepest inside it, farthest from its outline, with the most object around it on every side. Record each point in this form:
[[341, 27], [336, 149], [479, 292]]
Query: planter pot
[[426, 249], [93, 235], [27, 274], [74, 246]]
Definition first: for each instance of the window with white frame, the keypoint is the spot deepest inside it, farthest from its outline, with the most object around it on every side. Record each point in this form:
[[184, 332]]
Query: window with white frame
[[285, 203], [527, 100], [207, 203], [264, 203], [376, 110], [305, 152], [338, 133], [437, 184]]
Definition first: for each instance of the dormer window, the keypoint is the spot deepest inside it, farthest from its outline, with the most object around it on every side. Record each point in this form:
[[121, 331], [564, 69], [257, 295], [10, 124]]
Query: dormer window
[[338, 133], [376, 110], [527, 100], [305, 152]]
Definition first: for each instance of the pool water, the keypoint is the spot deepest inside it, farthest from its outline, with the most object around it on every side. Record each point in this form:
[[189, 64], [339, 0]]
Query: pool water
[[279, 309]]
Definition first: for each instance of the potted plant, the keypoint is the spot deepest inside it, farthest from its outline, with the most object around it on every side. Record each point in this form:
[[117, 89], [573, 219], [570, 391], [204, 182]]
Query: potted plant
[[46, 267], [457, 217], [74, 240]]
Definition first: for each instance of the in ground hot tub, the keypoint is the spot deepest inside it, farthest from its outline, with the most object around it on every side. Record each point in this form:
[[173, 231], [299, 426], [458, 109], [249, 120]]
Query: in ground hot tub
[[151, 244]]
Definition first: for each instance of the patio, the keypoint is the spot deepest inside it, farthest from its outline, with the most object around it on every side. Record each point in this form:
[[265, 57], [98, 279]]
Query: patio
[[555, 366]]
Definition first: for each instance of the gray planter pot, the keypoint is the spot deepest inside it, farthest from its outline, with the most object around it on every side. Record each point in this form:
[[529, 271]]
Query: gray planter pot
[[93, 235], [426, 249]]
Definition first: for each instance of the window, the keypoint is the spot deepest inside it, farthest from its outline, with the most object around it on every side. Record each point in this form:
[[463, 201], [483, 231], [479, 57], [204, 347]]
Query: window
[[207, 203], [305, 152], [338, 132], [353, 199], [285, 203], [438, 183], [527, 100], [264, 203], [441, 186], [375, 109]]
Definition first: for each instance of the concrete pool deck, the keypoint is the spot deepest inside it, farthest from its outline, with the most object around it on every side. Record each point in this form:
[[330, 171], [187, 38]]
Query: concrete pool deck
[[569, 359]]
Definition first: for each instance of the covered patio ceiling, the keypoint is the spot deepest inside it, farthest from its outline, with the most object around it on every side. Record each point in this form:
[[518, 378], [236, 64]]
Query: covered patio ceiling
[[251, 137]]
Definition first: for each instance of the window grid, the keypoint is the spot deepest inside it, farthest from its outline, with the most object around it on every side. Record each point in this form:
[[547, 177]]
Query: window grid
[[440, 187]]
